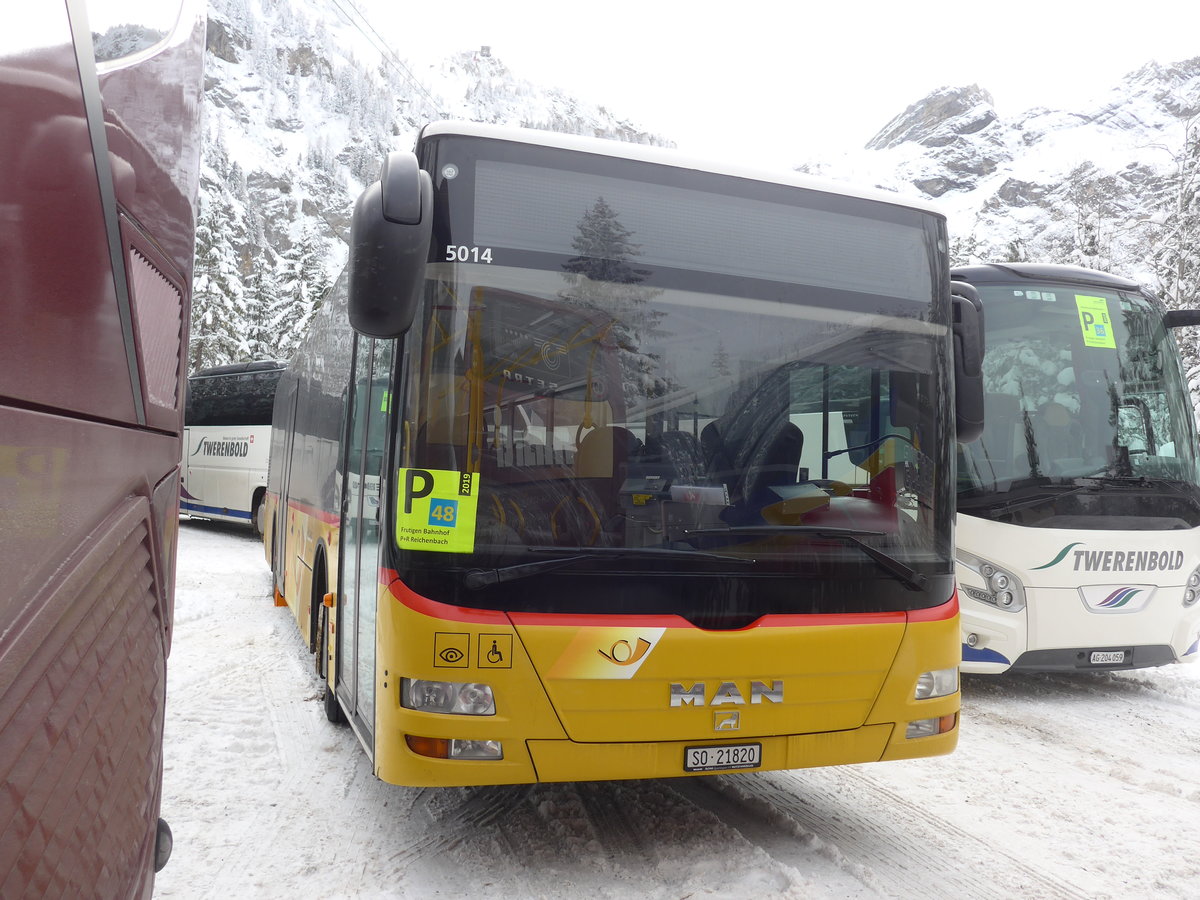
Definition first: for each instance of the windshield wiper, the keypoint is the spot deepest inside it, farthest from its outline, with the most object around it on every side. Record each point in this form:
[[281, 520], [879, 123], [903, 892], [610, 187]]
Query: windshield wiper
[[1045, 494], [830, 454], [475, 579], [1048, 493], [910, 577], [1133, 481]]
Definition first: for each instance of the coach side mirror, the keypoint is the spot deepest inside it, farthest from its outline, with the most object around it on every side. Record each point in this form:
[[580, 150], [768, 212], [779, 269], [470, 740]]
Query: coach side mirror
[[967, 311], [389, 244], [1177, 318]]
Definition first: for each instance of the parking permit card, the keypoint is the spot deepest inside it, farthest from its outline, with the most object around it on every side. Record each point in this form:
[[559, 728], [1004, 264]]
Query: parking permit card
[[1094, 320], [436, 510]]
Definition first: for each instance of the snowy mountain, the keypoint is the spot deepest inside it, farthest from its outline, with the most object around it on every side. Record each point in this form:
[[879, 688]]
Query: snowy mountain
[[302, 101], [1109, 186]]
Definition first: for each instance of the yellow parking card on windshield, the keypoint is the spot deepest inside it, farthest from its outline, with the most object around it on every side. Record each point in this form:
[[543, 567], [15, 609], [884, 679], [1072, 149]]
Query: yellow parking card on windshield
[[1094, 320], [436, 510]]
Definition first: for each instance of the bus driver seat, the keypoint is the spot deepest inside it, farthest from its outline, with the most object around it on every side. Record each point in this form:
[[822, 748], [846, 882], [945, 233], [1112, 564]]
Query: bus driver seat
[[601, 463], [775, 462]]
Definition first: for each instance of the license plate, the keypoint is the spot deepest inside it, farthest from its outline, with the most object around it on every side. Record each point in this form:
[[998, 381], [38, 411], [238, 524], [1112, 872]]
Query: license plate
[[731, 756], [1107, 657]]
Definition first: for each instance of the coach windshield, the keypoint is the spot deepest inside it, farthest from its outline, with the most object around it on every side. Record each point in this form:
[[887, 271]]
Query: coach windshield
[[1087, 413]]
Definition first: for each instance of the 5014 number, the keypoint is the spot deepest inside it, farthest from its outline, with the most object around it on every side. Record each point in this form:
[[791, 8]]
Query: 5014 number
[[462, 253]]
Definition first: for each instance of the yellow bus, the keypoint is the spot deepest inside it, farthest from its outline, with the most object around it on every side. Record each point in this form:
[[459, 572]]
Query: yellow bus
[[601, 462]]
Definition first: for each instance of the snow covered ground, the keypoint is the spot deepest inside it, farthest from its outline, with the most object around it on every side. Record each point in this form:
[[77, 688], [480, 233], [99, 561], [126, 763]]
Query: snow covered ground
[[1063, 786]]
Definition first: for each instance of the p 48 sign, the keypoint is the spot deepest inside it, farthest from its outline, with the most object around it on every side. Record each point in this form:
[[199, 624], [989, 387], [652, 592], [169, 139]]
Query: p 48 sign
[[436, 510]]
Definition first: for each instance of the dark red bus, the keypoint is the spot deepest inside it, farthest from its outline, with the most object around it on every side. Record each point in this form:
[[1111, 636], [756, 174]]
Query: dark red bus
[[99, 173]]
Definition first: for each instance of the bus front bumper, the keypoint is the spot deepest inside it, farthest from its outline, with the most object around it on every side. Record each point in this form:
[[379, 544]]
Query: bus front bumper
[[542, 760]]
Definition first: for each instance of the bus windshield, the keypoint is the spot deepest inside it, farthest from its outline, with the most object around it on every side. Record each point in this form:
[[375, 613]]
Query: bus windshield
[[237, 394], [630, 386], [1081, 383]]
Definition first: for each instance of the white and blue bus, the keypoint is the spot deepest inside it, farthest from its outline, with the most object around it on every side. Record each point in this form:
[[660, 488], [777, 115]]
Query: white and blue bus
[[227, 441], [1078, 531]]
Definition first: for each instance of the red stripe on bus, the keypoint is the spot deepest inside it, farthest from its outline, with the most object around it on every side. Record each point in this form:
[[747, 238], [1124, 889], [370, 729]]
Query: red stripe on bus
[[433, 608], [328, 518], [449, 612], [940, 613]]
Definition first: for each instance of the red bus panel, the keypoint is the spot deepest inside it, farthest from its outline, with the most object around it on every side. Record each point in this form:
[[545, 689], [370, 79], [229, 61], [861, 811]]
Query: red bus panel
[[98, 195]]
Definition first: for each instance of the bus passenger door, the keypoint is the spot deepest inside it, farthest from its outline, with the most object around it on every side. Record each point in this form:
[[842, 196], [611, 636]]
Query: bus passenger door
[[285, 431], [369, 406]]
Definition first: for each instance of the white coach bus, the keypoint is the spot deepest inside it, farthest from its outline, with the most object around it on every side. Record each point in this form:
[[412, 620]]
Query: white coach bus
[[227, 439], [1078, 533]]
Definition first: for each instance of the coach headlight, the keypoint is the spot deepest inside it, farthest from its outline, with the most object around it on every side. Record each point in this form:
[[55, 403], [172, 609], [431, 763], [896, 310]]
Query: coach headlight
[[1001, 588], [1191, 591], [453, 697]]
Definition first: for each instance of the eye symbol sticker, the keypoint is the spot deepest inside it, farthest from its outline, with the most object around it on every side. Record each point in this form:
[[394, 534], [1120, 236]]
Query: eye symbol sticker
[[451, 650]]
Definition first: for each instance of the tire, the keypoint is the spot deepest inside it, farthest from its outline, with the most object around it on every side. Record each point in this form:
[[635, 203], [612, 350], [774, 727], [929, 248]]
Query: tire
[[333, 709], [318, 622], [256, 514], [320, 650]]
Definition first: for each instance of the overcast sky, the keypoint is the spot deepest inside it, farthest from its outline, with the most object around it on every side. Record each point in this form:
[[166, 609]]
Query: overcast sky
[[797, 79]]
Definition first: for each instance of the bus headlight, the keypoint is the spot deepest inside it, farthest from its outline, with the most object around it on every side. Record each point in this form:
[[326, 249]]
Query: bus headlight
[[1192, 592], [453, 697], [1001, 588], [460, 749], [938, 683], [929, 727], [454, 748]]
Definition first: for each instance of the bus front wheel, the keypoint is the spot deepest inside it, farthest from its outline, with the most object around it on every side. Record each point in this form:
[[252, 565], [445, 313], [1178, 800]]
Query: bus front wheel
[[333, 709]]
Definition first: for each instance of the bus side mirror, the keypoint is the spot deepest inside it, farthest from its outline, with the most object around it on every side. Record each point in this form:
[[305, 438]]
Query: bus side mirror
[[1177, 318], [389, 244], [967, 311]]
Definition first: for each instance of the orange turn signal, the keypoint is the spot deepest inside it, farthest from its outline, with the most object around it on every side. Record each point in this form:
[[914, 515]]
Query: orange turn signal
[[437, 748]]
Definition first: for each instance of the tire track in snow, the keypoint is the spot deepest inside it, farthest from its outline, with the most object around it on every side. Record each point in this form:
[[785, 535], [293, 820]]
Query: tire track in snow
[[608, 809], [895, 847], [780, 838]]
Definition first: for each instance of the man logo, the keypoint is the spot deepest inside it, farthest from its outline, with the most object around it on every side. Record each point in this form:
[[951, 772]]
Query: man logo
[[727, 720], [622, 654], [727, 694]]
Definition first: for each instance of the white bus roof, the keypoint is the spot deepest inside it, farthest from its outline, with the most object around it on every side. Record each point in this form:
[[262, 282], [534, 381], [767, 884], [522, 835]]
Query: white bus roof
[[668, 157]]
